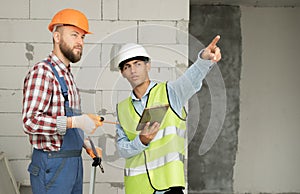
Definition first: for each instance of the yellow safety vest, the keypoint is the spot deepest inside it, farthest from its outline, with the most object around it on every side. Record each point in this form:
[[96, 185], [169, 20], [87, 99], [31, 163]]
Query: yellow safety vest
[[161, 165]]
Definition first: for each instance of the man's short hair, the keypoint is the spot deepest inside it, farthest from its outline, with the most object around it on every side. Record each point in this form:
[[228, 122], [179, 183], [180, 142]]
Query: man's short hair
[[142, 58]]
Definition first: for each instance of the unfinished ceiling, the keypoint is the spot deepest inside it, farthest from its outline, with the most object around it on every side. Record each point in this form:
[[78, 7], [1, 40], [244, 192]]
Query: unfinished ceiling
[[255, 3]]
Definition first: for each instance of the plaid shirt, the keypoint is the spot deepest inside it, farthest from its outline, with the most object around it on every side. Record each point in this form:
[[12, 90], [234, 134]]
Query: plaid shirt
[[43, 103]]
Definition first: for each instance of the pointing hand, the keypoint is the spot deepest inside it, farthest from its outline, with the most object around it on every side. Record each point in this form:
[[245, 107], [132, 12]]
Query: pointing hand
[[212, 51]]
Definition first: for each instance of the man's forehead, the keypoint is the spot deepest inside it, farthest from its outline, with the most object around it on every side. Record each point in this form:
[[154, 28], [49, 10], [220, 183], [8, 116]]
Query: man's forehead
[[74, 29], [133, 62]]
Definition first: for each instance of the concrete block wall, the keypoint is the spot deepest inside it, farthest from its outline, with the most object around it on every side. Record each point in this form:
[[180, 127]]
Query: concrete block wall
[[162, 26]]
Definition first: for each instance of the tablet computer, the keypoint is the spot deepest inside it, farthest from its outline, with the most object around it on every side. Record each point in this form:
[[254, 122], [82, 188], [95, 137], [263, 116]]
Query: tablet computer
[[152, 114]]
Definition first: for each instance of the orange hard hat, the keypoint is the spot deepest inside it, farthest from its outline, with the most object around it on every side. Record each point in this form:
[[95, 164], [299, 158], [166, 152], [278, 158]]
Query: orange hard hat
[[71, 17]]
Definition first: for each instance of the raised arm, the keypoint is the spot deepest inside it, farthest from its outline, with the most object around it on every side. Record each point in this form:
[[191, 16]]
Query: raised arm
[[190, 82]]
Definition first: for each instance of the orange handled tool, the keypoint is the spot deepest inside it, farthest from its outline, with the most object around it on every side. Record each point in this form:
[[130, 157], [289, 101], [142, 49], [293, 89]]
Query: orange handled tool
[[108, 122]]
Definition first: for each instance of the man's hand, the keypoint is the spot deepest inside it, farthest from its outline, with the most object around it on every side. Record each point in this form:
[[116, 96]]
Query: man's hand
[[212, 51], [96, 159], [90, 152], [96, 162], [149, 132], [87, 122]]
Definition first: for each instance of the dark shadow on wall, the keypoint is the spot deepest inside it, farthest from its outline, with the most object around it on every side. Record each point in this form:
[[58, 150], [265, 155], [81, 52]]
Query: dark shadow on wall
[[212, 171]]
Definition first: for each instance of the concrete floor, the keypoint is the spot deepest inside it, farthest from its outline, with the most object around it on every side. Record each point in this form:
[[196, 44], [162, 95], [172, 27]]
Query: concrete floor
[[25, 190]]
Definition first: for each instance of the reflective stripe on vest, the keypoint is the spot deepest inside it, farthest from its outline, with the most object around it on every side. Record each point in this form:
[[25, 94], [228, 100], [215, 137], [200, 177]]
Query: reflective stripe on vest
[[168, 131], [154, 164]]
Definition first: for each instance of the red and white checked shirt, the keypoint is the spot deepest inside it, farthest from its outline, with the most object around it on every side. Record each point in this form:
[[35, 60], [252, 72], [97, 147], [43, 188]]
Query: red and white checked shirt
[[43, 103]]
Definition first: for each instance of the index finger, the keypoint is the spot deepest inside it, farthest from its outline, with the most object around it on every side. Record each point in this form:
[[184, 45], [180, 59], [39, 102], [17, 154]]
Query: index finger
[[214, 41]]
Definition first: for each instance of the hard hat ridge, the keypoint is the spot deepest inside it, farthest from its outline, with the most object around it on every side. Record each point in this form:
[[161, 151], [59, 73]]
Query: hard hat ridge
[[70, 17], [131, 51]]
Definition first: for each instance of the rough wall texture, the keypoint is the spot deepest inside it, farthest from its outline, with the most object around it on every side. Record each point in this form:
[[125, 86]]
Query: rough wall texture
[[210, 166]]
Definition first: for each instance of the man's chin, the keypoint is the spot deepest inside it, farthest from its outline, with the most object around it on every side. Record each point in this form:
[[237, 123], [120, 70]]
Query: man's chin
[[76, 58], [138, 84]]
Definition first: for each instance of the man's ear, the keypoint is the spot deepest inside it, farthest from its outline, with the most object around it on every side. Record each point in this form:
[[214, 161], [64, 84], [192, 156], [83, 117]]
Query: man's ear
[[122, 73], [148, 66], [56, 37]]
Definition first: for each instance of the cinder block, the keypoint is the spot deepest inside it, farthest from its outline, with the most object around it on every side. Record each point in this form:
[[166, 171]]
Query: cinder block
[[116, 96], [160, 10], [106, 139], [23, 54], [88, 102], [14, 9], [21, 151], [40, 50], [110, 9], [12, 77], [9, 51], [101, 188], [86, 77], [182, 35], [12, 99], [109, 146], [111, 81], [122, 190], [109, 104], [113, 172], [22, 31], [159, 32], [112, 32], [168, 55], [161, 74], [122, 95], [165, 54], [109, 54], [19, 169], [91, 56], [110, 129], [92, 9], [11, 125], [102, 102]]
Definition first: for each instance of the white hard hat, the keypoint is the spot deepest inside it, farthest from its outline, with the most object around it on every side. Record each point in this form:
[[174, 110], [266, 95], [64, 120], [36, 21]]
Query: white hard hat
[[129, 51]]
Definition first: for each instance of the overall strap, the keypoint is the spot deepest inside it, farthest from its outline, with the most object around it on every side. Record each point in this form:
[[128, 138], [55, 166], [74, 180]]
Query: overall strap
[[62, 82]]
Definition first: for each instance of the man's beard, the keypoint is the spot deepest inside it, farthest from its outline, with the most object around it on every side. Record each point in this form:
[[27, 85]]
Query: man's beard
[[68, 52]]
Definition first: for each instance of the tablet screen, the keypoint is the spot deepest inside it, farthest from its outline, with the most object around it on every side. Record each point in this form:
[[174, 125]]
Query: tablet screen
[[152, 114]]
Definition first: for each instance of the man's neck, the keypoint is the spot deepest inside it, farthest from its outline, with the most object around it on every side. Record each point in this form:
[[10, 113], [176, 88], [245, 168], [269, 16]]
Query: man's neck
[[141, 89], [62, 58]]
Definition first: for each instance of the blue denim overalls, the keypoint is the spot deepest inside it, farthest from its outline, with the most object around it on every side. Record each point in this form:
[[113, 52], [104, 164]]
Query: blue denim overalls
[[59, 172]]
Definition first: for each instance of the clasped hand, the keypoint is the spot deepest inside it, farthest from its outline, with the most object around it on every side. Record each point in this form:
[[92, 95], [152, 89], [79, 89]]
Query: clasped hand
[[149, 132], [87, 122]]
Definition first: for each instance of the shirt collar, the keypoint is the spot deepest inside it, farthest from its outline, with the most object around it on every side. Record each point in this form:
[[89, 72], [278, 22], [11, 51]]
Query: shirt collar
[[151, 85], [59, 63]]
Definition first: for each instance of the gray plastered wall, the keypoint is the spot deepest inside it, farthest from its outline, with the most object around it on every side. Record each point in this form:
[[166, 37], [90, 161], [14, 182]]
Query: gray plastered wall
[[211, 170]]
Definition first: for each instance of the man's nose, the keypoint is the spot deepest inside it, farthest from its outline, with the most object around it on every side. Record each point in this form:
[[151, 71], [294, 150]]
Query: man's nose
[[80, 41], [133, 68]]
